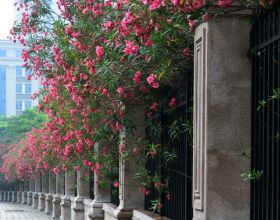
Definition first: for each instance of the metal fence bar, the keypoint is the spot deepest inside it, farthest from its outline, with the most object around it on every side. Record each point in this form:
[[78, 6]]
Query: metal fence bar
[[265, 191]]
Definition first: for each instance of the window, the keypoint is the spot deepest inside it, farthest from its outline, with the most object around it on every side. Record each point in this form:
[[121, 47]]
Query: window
[[2, 53], [27, 72], [19, 88], [19, 71], [27, 104], [27, 88], [19, 105]]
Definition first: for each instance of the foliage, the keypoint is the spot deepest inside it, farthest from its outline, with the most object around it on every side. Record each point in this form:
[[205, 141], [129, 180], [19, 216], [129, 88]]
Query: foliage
[[14, 128]]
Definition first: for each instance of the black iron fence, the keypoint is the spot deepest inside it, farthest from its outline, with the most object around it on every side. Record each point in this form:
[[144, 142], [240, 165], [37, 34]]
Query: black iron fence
[[175, 124], [265, 171]]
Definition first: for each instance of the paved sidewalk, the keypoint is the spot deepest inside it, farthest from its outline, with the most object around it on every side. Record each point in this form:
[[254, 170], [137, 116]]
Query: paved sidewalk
[[15, 211]]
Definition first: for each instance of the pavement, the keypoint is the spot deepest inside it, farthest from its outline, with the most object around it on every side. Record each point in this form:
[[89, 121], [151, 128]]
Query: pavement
[[15, 211]]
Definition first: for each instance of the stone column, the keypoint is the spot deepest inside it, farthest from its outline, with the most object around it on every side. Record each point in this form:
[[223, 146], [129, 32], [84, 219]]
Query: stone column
[[222, 119], [31, 190], [10, 192], [20, 191], [45, 190], [25, 190], [129, 194], [59, 185], [66, 199], [49, 196], [14, 193], [77, 203], [6, 195], [101, 196], [35, 201]]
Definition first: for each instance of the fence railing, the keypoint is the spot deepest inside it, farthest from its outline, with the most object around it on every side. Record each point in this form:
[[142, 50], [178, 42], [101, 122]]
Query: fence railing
[[265, 171], [179, 172]]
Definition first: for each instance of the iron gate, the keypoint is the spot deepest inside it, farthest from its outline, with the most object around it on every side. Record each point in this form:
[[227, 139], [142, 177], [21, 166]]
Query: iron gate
[[265, 173], [179, 207]]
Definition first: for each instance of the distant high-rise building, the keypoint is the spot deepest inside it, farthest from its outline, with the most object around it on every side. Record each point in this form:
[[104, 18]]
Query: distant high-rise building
[[15, 89]]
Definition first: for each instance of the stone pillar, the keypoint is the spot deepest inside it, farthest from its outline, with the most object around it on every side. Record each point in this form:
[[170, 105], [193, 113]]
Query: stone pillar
[[25, 190], [35, 201], [14, 194], [20, 191], [94, 208], [31, 190], [10, 192], [45, 189], [49, 196], [66, 199], [129, 194], [6, 196], [77, 203], [59, 186], [222, 119]]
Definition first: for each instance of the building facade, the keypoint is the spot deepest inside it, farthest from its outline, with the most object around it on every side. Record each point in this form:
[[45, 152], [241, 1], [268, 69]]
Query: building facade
[[15, 89]]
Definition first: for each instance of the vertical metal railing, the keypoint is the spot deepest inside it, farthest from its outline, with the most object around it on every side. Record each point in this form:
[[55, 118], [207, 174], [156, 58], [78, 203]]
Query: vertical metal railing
[[179, 172], [265, 189]]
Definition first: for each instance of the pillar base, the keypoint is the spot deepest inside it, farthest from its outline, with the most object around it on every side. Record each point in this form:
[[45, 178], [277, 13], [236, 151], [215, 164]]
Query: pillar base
[[4, 196], [42, 202], [19, 197], [112, 212], [29, 198], [24, 198], [48, 204], [93, 210], [35, 200], [56, 207], [9, 196], [77, 209], [14, 196], [65, 208]]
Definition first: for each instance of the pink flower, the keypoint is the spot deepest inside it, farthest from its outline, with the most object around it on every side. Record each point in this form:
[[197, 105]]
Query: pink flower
[[154, 107], [152, 82], [175, 2], [149, 115], [186, 51], [76, 168], [116, 184], [192, 24], [155, 85], [144, 89], [122, 148], [151, 79], [137, 77], [120, 90], [205, 17], [99, 52], [130, 48], [56, 170], [155, 4], [172, 102], [225, 3], [197, 4]]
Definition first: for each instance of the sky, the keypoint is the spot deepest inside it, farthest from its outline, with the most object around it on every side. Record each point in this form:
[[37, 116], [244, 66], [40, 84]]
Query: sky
[[7, 13]]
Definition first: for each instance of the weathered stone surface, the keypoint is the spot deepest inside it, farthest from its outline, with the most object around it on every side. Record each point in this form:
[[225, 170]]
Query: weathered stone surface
[[77, 203], [222, 106], [66, 199], [93, 208], [59, 186], [49, 196]]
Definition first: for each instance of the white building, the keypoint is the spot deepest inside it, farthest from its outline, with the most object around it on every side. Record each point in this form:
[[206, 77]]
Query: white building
[[15, 89]]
